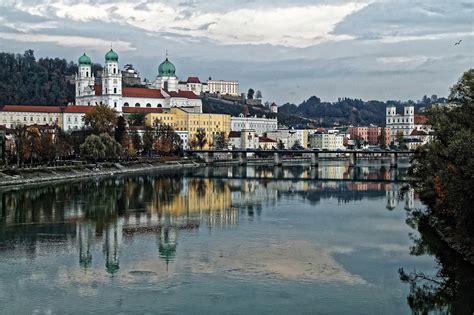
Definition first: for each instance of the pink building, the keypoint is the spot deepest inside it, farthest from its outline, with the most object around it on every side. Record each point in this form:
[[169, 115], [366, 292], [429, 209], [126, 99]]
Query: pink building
[[370, 134]]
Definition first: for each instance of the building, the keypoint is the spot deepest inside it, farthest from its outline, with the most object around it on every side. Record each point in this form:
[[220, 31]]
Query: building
[[274, 108], [326, 141], [290, 137], [193, 84], [182, 120], [261, 125], [245, 139], [403, 123], [14, 115], [371, 134], [223, 87], [266, 143], [163, 92]]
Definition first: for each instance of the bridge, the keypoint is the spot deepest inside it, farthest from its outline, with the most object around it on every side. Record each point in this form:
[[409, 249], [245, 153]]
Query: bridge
[[241, 155]]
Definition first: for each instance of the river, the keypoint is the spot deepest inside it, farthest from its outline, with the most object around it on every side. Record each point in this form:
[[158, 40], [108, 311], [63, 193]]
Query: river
[[228, 239]]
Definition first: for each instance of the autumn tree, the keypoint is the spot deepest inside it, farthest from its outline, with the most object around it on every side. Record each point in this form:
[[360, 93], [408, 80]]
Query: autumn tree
[[101, 147], [167, 141], [383, 138], [101, 119], [220, 141], [136, 141], [399, 137], [148, 140], [120, 130], [136, 119], [201, 138]]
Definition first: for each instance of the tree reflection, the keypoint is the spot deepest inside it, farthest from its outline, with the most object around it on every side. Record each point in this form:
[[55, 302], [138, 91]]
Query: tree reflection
[[451, 289]]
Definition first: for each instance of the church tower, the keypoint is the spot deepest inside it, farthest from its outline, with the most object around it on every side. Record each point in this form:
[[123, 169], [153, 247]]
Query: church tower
[[112, 82], [166, 79], [84, 81]]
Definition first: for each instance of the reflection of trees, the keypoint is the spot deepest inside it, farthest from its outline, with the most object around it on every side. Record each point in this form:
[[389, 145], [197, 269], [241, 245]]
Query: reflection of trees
[[451, 290]]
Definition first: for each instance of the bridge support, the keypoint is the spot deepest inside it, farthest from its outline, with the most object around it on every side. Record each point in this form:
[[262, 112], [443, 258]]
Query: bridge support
[[314, 159], [353, 159], [277, 159], [209, 157], [393, 160], [242, 158]]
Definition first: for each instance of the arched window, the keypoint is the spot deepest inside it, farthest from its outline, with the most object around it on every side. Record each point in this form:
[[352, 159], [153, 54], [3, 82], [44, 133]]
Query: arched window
[[159, 105], [148, 105], [114, 71], [125, 104], [165, 86], [88, 103], [87, 73], [115, 90], [137, 105]]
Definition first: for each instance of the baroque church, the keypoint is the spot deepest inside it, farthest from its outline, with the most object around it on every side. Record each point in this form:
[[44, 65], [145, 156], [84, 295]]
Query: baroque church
[[161, 93]]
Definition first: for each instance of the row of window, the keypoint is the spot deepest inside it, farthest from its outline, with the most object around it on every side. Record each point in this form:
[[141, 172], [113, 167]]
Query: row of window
[[126, 104], [402, 120]]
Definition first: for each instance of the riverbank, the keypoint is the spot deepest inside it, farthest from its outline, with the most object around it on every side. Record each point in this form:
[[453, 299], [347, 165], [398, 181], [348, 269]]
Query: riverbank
[[27, 176]]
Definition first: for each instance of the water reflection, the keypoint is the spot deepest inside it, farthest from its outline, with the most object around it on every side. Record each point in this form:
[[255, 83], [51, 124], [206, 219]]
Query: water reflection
[[110, 209], [449, 290]]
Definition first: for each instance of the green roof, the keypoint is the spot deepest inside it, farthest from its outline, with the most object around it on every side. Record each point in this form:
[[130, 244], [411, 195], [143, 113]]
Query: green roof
[[111, 56], [85, 60], [166, 69]]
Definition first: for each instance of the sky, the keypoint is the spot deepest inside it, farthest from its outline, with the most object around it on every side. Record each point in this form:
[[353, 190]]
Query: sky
[[290, 50]]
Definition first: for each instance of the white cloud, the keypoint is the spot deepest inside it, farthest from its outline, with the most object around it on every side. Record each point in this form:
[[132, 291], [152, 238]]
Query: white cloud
[[434, 36], [95, 44], [297, 26]]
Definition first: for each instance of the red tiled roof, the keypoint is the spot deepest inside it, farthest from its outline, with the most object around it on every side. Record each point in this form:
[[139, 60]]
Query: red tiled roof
[[141, 92], [78, 109], [420, 119], [31, 108], [193, 80], [417, 132], [265, 139], [184, 94], [143, 110]]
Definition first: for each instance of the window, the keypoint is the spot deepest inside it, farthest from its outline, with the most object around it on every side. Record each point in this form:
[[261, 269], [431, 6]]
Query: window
[[125, 104], [137, 105], [148, 105], [115, 90], [115, 104], [87, 73], [114, 70]]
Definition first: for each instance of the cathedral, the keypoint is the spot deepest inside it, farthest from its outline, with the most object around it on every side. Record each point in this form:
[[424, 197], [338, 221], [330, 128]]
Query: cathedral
[[161, 93]]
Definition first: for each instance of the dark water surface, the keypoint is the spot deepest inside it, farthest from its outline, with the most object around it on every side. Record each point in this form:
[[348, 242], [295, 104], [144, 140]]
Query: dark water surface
[[220, 240]]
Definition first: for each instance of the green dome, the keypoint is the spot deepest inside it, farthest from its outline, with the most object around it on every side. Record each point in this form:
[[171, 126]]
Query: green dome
[[166, 69], [84, 60], [111, 56]]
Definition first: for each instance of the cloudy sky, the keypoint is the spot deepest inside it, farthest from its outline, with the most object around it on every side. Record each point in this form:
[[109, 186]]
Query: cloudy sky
[[374, 49]]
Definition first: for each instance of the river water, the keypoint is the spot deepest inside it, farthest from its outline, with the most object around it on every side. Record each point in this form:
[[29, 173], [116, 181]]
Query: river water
[[222, 240]]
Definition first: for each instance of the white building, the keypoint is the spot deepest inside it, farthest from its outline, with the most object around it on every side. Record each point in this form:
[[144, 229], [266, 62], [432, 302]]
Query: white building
[[326, 141], [404, 123], [244, 139], [261, 125], [163, 92], [290, 137], [223, 87]]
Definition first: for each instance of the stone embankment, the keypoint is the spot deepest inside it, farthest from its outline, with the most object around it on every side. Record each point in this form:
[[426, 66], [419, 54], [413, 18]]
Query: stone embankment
[[24, 176]]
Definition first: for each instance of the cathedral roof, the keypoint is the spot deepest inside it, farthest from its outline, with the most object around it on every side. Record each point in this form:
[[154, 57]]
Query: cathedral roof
[[111, 55], [84, 60], [141, 92], [183, 94], [166, 69]]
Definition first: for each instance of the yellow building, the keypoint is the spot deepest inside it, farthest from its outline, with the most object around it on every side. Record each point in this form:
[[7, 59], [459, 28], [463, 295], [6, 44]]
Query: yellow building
[[13, 115], [180, 120]]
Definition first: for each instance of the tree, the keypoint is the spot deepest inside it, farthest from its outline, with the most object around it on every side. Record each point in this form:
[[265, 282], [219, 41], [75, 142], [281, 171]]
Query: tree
[[383, 138], [136, 119], [297, 146], [250, 94], [280, 145], [47, 146], [113, 149], [93, 148], [258, 95], [167, 141], [20, 138], [220, 141], [443, 169], [120, 130], [101, 119], [32, 146], [148, 140], [201, 138], [136, 141], [399, 137]]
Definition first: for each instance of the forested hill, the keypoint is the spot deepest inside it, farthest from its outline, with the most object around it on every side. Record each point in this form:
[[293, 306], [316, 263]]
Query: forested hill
[[46, 81], [344, 112]]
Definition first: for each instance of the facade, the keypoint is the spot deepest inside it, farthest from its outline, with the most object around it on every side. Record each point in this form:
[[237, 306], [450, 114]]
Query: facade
[[290, 137], [193, 84], [163, 92], [274, 108], [370, 134], [182, 120], [266, 143], [404, 122], [15, 115], [245, 139], [223, 87], [326, 141], [261, 125]]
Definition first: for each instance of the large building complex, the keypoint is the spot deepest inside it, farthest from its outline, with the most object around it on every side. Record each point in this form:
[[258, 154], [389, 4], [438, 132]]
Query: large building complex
[[404, 122], [260, 125], [371, 134]]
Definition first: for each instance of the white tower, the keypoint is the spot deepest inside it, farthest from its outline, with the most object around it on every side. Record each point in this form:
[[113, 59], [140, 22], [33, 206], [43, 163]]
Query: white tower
[[84, 81], [409, 119], [112, 82], [390, 114]]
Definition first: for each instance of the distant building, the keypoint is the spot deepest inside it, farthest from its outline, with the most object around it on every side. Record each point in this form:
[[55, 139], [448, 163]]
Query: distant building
[[404, 122], [130, 76], [326, 141], [371, 135], [261, 125], [245, 139], [223, 87], [290, 137], [274, 108]]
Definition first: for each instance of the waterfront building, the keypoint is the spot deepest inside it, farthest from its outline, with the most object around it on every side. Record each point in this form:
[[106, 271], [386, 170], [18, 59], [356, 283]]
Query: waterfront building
[[244, 139], [370, 134], [261, 125], [15, 115], [182, 120], [326, 141], [161, 93], [266, 143], [290, 137]]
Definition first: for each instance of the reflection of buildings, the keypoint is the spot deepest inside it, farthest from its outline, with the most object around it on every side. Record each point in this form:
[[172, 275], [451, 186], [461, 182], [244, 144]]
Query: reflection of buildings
[[112, 241], [394, 196], [85, 234]]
